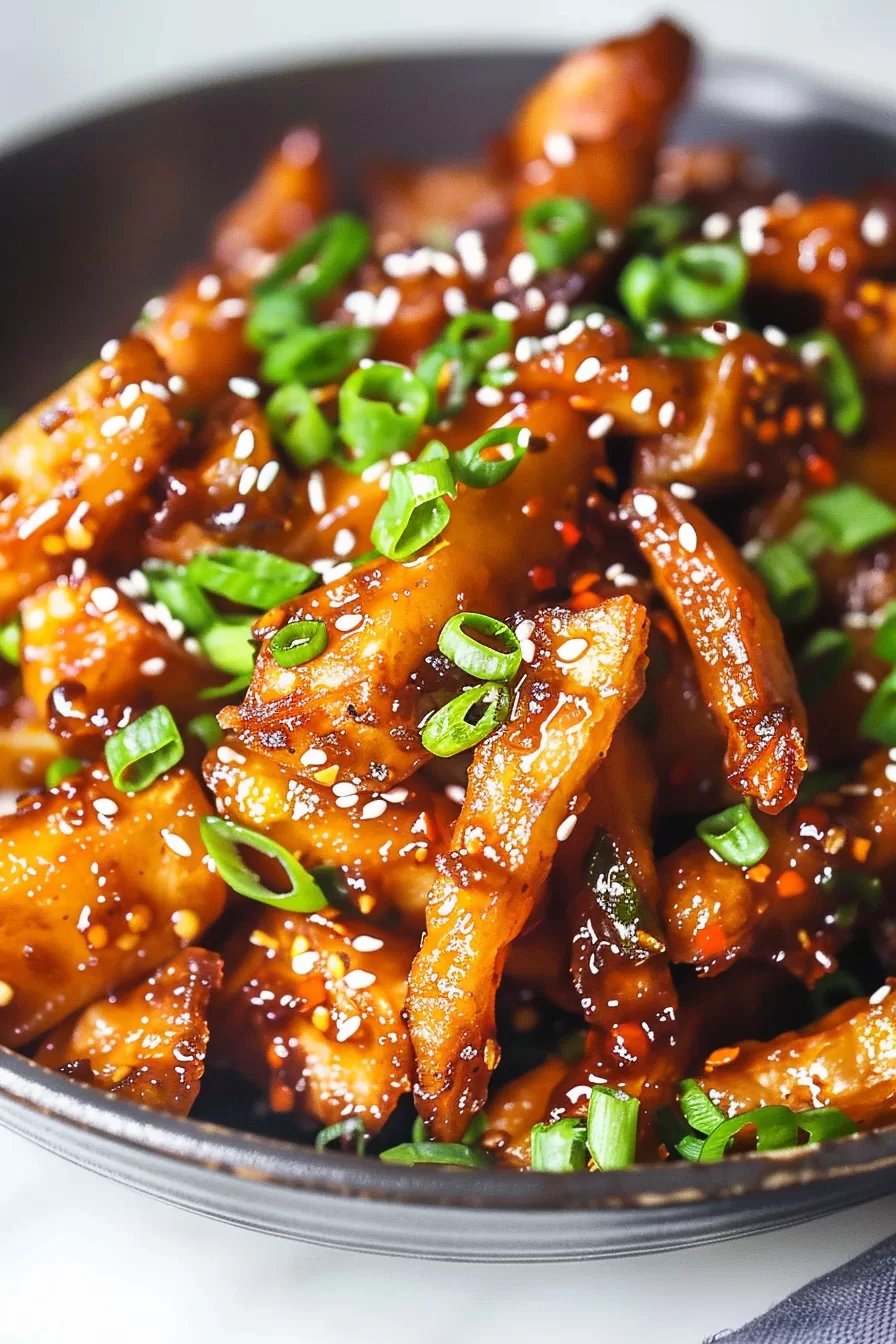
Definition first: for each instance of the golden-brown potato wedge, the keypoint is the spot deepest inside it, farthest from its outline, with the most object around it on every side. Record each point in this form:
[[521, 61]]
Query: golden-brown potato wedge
[[518, 1106], [198, 331], [26, 747], [312, 1009], [147, 1043], [73, 468], [98, 887], [433, 204], [526, 788]]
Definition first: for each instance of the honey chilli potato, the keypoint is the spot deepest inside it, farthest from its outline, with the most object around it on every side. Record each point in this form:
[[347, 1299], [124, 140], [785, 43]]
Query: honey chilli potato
[[449, 654]]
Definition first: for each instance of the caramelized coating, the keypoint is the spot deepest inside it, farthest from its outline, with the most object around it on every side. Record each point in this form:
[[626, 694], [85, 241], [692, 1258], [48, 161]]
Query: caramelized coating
[[518, 1106], [290, 194], [433, 204], [744, 669], [231, 491], [384, 845], [409, 305], [92, 660], [847, 1059], [312, 1009], [148, 1043], [198, 331], [99, 886], [611, 101], [26, 747], [359, 702], [74, 468], [687, 744], [815, 249], [868, 329], [525, 788]]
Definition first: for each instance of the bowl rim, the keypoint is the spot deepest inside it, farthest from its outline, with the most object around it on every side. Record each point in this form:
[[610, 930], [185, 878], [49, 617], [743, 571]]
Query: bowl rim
[[244, 1156]]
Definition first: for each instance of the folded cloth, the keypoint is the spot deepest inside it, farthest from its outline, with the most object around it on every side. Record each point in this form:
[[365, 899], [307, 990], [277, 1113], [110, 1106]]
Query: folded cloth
[[855, 1304]]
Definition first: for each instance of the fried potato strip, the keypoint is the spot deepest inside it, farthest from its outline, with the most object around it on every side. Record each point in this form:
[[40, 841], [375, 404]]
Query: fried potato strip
[[526, 783]]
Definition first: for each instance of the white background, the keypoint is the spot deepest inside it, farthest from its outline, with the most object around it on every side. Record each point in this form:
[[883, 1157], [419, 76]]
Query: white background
[[82, 1260]]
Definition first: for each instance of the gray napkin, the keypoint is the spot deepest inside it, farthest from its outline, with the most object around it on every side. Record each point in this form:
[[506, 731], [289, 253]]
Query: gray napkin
[[855, 1304]]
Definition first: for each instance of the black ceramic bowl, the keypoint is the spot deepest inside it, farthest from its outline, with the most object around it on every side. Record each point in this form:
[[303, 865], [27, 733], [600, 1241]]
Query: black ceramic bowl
[[96, 218]]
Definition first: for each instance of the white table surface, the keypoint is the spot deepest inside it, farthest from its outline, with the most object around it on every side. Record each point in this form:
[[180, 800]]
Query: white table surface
[[86, 1262]]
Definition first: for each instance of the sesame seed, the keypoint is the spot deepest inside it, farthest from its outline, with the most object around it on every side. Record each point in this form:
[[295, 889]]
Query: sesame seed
[[42, 514], [317, 498], [138, 416], [682, 491], [566, 827], [556, 316], [589, 368], [571, 650], [177, 844], [666, 414], [359, 979], [157, 390], [471, 252], [687, 537], [890, 773], [303, 963], [599, 428], [344, 788], [880, 995], [875, 227], [571, 333], [559, 148], [248, 477], [641, 401], [645, 506], [866, 683], [110, 349], [228, 756], [716, 226], [455, 793], [350, 621], [105, 807], [366, 943], [245, 444], [228, 308], [104, 599], [774, 336], [209, 288], [386, 306], [177, 385], [129, 396], [489, 396], [343, 542], [375, 808], [348, 1028], [454, 301], [268, 474], [114, 425], [527, 650], [522, 269], [508, 311], [153, 667], [313, 756], [244, 387]]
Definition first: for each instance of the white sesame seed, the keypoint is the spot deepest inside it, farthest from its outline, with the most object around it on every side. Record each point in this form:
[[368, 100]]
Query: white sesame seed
[[716, 226], [177, 844], [106, 807], [358, 979], [114, 425], [349, 800], [348, 622], [248, 477], [209, 288], [386, 306], [303, 963], [177, 385], [890, 773], [313, 756], [600, 428], [339, 571], [682, 491], [344, 788], [138, 416], [522, 269], [880, 995], [454, 301], [508, 311], [864, 681], [229, 309], [375, 808], [42, 514], [157, 390], [244, 387], [572, 332], [348, 1028], [489, 396], [396, 795], [245, 444], [645, 506], [527, 650], [687, 537], [527, 347], [152, 667], [365, 942], [104, 599], [468, 245], [227, 756], [641, 401], [129, 396], [666, 414], [110, 349], [343, 542], [556, 316], [774, 336], [559, 148], [268, 474], [875, 227], [568, 825], [589, 368], [594, 321], [571, 650]]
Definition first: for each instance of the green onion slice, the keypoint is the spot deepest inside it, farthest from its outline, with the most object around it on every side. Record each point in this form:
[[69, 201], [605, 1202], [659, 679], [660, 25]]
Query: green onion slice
[[274, 316], [443, 1154], [342, 1132], [830, 990], [655, 227], [321, 260], [698, 1109], [171, 585], [809, 538], [734, 835], [414, 511], [450, 730], [852, 517], [315, 355], [223, 839], [639, 288], [560, 1146], [821, 662], [298, 642], [236, 683], [299, 425], [878, 720], [612, 1127], [558, 229], [448, 374], [618, 896], [703, 281], [61, 769], [11, 640], [480, 335], [228, 645], [138, 754], [205, 728], [792, 587], [381, 409], [480, 472], [825, 1122], [840, 384], [250, 578], [776, 1127], [479, 660], [885, 637]]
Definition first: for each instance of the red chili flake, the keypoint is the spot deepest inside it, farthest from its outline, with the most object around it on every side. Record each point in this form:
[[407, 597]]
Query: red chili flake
[[760, 872], [570, 535], [820, 471], [583, 601], [631, 1040], [543, 578], [680, 773], [584, 581], [790, 884], [711, 941]]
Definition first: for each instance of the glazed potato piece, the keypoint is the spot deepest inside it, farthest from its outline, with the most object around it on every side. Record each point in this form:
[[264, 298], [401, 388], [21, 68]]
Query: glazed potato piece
[[619, 966], [384, 845], [408, 305], [290, 194], [232, 490], [687, 745], [433, 204], [26, 747], [74, 468], [312, 1009], [516, 1107], [526, 787], [98, 887], [358, 703], [92, 660], [148, 1043], [612, 102], [847, 1060], [198, 331], [815, 249], [744, 669], [796, 906], [868, 329]]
